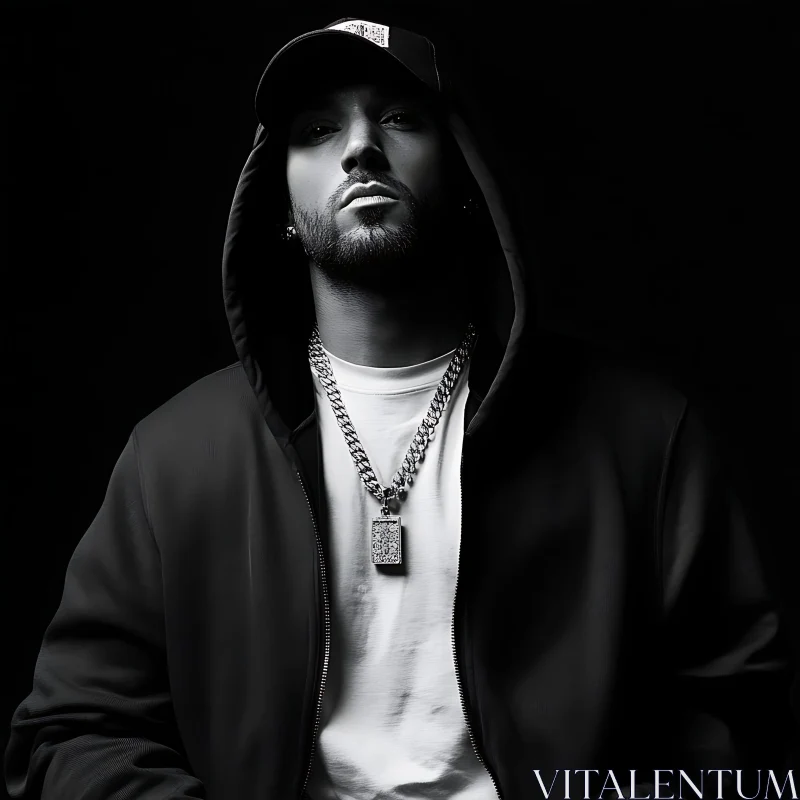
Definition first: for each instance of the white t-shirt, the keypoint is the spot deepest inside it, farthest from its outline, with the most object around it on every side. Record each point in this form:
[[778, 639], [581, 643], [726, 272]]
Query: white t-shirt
[[392, 723]]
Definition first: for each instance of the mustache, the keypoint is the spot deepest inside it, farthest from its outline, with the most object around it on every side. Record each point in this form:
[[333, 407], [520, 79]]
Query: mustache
[[365, 176]]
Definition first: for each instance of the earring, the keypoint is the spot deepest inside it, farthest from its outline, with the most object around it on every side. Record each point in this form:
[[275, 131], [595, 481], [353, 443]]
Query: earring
[[469, 206], [291, 233]]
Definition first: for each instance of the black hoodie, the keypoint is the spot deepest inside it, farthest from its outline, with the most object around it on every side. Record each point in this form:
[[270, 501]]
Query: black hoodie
[[610, 614]]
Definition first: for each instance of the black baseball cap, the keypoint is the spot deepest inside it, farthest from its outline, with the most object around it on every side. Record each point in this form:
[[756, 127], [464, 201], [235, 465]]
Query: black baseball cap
[[347, 40]]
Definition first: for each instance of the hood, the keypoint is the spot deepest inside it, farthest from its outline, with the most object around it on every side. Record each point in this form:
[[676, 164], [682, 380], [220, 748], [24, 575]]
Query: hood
[[267, 289]]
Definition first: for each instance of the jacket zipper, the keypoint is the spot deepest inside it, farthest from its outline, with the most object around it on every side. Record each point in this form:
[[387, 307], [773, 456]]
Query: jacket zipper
[[327, 649], [453, 640]]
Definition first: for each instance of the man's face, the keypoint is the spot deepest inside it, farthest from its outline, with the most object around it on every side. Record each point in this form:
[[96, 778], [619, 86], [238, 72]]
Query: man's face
[[374, 140]]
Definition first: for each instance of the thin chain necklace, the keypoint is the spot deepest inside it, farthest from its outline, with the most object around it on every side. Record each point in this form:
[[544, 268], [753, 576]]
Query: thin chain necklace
[[386, 530]]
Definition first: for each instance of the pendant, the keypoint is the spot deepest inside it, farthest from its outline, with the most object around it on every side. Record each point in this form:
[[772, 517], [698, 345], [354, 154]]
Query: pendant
[[385, 539]]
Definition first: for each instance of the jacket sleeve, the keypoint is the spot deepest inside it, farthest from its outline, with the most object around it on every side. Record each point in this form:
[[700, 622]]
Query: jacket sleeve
[[725, 646], [98, 722]]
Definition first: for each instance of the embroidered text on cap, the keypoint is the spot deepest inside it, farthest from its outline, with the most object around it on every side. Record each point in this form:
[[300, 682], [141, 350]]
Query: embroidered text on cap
[[378, 34]]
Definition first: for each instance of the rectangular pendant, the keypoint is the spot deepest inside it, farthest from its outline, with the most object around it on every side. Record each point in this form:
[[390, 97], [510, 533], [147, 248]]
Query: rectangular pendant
[[385, 540]]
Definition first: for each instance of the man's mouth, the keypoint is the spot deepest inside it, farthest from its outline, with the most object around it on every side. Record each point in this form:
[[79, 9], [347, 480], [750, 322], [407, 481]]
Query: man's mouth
[[370, 200], [368, 194]]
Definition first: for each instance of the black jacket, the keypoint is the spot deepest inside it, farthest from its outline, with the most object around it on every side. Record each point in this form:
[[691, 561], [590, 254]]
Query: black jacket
[[610, 612]]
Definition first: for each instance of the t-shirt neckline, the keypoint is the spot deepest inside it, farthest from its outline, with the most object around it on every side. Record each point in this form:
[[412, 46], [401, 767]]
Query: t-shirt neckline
[[389, 380]]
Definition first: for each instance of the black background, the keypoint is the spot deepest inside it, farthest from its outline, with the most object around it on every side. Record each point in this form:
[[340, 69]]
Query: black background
[[655, 153]]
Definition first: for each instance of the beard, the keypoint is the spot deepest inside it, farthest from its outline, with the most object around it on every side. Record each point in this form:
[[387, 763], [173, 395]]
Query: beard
[[372, 253]]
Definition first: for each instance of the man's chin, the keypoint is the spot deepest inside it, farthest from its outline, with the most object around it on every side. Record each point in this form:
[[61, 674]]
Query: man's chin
[[372, 236], [373, 249], [363, 246], [366, 220], [367, 256]]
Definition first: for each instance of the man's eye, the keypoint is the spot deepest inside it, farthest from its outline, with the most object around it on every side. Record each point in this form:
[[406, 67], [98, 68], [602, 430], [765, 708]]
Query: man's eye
[[317, 130], [402, 118]]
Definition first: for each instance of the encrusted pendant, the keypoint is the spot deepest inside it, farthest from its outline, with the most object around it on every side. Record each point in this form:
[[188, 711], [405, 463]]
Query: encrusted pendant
[[386, 540]]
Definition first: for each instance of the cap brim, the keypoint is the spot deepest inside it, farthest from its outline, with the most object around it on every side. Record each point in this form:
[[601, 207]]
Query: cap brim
[[314, 61]]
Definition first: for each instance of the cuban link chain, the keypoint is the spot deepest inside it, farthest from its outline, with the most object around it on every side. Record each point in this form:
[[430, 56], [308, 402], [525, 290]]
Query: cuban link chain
[[386, 529]]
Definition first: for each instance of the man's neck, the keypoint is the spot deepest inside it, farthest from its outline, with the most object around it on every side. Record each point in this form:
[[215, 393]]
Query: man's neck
[[393, 327]]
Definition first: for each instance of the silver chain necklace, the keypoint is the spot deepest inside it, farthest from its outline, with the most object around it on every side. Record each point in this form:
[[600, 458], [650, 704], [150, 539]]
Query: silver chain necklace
[[385, 530]]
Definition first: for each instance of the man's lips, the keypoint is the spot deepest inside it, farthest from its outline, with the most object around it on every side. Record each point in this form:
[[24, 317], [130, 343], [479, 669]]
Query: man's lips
[[371, 189]]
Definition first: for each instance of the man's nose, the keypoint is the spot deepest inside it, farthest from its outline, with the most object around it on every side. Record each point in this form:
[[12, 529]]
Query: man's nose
[[363, 149]]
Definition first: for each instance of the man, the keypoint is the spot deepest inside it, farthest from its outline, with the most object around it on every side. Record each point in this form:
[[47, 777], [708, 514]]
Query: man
[[409, 545]]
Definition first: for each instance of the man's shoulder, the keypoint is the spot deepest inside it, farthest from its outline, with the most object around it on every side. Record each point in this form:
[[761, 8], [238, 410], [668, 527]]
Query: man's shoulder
[[623, 388], [604, 366], [219, 404]]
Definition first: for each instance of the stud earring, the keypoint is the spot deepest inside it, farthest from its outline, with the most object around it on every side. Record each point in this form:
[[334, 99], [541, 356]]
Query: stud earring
[[291, 233], [469, 206]]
